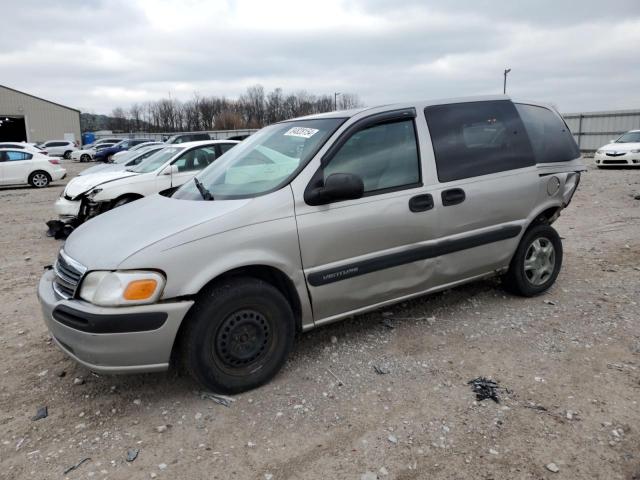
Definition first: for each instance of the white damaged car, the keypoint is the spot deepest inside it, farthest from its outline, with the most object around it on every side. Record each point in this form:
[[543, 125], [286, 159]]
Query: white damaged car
[[89, 195], [622, 152]]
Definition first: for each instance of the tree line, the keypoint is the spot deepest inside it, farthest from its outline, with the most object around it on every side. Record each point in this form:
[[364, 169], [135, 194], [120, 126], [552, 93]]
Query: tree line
[[253, 109]]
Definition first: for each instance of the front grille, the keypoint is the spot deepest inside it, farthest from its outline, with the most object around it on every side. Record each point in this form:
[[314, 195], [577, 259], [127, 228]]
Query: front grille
[[615, 162], [616, 154], [68, 275]]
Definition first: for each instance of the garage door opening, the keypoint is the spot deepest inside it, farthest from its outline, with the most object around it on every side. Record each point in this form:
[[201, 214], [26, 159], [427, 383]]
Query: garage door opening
[[12, 129]]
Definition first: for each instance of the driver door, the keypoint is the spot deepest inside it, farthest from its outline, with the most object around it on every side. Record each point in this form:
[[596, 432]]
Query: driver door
[[354, 252]]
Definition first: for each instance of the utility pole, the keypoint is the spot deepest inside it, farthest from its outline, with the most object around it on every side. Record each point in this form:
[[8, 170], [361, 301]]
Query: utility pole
[[335, 100], [504, 87]]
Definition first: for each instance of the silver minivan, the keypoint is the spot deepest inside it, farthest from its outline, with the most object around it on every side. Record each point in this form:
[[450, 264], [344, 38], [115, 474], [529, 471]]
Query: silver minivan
[[309, 221]]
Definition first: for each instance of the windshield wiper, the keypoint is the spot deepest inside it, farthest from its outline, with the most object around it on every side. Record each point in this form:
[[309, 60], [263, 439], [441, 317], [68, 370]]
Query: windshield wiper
[[206, 194]]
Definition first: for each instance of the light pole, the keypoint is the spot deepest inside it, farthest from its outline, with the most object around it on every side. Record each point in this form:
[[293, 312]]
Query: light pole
[[504, 87], [335, 100]]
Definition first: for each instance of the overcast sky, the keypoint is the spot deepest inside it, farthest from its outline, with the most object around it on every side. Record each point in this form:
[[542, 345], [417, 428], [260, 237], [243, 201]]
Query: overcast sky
[[99, 54]]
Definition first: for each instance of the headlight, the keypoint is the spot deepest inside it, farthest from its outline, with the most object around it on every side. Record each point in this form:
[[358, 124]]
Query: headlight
[[116, 289], [635, 150], [93, 193]]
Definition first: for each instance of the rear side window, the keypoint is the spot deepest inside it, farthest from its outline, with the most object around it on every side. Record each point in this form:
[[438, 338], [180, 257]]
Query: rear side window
[[477, 138], [384, 156], [15, 156], [550, 137]]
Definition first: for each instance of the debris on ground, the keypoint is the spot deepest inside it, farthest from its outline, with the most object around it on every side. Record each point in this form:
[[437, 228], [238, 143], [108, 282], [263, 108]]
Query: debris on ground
[[41, 413], [61, 230], [340, 382], [73, 467], [78, 381], [162, 428], [484, 388], [534, 406], [132, 454], [381, 370], [393, 439], [549, 302], [552, 467], [219, 399]]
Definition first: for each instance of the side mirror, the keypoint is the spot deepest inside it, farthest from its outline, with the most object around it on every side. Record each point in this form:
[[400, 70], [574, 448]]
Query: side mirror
[[337, 186], [170, 170]]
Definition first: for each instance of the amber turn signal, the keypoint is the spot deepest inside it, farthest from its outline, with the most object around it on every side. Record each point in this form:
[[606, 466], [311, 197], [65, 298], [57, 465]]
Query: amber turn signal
[[140, 289]]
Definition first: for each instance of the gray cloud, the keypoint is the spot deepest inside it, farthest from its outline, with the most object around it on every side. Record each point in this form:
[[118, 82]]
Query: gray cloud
[[98, 55]]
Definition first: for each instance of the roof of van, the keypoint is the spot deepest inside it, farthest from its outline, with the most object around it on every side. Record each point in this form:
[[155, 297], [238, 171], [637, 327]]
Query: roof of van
[[355, 111]]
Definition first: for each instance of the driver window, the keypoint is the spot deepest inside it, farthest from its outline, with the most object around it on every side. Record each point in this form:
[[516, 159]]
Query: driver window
[[384, 156], [196, 159]]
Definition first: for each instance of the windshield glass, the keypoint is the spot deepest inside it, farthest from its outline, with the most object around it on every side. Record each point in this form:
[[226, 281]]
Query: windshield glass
[[156, 160], [629, 137], [264, 161]]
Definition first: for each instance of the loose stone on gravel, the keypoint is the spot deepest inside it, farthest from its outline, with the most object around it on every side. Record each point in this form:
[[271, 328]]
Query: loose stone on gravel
[[552, 467]]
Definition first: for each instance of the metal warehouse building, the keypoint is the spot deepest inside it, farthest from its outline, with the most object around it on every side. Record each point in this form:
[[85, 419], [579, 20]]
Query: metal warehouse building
[[25, 117]]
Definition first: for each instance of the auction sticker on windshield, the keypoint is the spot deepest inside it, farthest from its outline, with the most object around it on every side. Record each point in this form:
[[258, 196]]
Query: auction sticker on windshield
[[301, 132]]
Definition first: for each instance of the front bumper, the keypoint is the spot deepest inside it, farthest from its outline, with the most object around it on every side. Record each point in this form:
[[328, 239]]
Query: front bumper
[[123, 352], [626, 160], [67, 208]]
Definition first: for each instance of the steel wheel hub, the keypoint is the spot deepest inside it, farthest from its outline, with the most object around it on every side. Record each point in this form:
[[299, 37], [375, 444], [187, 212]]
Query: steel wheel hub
[[242, 338], [539, 261]]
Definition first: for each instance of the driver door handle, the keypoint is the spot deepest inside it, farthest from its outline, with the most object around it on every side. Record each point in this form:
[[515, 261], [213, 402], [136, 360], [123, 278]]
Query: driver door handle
[[421, 203]]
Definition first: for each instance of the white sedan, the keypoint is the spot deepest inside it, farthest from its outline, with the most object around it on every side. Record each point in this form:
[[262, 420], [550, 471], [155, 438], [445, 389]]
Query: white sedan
[[89, 151], [27, 147], [624, 151], [25, 167], [89, 195]]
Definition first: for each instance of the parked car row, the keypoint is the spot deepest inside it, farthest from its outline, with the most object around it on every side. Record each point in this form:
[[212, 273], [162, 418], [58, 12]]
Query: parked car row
[[306, 222]]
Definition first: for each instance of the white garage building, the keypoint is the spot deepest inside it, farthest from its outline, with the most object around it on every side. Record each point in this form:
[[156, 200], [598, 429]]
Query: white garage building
[[25, 117]]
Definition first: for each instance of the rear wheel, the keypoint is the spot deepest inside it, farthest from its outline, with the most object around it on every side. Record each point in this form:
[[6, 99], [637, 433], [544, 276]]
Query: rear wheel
[[238, 336], [536, 263], [39, 179]]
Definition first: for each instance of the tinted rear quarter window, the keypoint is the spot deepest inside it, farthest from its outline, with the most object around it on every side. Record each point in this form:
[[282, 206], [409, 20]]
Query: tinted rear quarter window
[[550, 137], [477, 138]]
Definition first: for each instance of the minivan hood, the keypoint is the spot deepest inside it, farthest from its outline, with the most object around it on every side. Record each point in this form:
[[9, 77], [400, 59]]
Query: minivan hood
[[108, 239], [84, 183], [620, 147]]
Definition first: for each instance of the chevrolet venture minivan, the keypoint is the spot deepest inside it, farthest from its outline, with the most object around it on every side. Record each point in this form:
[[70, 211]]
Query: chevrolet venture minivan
[[309, 221]]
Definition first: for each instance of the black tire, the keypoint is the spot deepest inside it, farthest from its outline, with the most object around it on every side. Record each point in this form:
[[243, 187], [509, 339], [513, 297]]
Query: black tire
[[521, 281], [39, 179], [123, 201], [67, 155], [238, 335], [85, 157]]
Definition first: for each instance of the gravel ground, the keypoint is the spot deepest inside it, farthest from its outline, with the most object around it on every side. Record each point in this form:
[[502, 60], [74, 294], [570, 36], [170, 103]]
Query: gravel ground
[[568, 364]]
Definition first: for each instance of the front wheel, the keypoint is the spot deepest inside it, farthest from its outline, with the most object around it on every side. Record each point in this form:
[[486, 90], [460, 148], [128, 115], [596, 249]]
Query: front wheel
[[536, 263], [238, 336], [67, 155], [85, 157]]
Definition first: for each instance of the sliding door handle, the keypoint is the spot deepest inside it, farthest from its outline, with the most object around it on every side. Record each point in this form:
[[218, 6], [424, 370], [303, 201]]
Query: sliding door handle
[[453, 196], [421, 203]]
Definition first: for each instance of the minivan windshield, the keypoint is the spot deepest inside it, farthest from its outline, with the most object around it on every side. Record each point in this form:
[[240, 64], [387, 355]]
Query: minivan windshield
[[263, 162], [629, 137], [156, 160]]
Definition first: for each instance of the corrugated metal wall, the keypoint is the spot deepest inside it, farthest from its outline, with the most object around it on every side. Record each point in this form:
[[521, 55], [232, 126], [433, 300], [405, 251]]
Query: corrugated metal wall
[[595, 129], [43, 120]]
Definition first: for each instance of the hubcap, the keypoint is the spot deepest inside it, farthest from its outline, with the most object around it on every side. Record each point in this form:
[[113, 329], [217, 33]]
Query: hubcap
[[40, 180], [243, 338], [539, 261]]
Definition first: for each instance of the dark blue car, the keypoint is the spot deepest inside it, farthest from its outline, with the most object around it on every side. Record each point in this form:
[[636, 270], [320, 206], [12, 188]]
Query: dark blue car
[[105, 154]]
